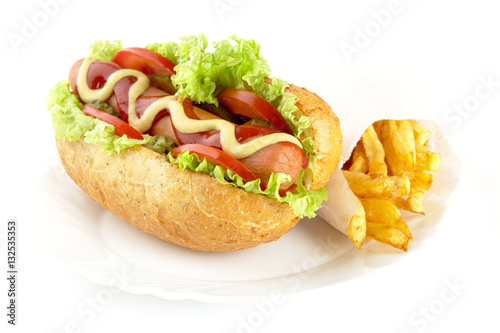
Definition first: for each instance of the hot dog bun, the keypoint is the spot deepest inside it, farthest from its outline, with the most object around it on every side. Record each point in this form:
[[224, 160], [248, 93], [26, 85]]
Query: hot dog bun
[[193, 209], [183, 207], [326, 133]]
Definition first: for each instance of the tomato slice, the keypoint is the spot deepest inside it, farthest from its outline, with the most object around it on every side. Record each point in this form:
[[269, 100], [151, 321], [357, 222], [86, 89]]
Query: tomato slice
[[121, 127], [217, 156], [144, 60], [252, 105]]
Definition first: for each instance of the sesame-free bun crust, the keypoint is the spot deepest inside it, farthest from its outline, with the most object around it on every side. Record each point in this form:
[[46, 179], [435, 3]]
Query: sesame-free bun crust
[[183, 207], [192, 209], [326, 133]]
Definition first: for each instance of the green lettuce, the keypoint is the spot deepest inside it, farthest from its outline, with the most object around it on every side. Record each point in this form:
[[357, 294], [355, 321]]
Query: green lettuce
[[285, 103], [180, 53], [233, 62], [201, 75], [303, 202], [70, 123], [105, 50]]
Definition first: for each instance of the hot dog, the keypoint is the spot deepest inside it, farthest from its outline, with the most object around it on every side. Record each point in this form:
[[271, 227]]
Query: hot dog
[[212, 154]]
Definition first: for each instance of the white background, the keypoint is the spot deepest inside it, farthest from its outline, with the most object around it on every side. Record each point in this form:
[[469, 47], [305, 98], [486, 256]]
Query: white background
[[457, 45]]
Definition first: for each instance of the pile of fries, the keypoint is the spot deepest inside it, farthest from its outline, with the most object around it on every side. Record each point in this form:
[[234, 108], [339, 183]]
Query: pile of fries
[[389, 170]]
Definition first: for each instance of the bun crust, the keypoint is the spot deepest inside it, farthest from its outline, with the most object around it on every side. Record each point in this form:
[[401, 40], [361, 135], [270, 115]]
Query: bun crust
[[326, 133], [183, 207], [192, 209]]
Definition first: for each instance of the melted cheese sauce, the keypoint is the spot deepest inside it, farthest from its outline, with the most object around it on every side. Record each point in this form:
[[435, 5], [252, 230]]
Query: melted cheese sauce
[[174, 105]]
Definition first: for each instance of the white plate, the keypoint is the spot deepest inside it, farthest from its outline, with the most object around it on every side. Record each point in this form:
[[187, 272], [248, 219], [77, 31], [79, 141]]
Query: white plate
[[93, 243]]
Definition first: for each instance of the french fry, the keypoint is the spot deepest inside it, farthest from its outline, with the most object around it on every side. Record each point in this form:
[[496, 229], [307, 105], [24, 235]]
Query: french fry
[[404, 204], [389, 235], [377, 209], [399, 145], [356, 229], [401, 203], [365, 186], [422, 180], [415, 199], [427, 160], [374, 152], [377, 126], [359, 160], [420, 133], [384, 211], [389, 172]]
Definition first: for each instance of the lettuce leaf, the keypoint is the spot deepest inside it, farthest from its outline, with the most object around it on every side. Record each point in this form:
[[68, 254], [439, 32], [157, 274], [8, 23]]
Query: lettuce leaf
[[105, 50], [179, 53], [234, 62], [70, 123], [303, 202], [284, 102], [201, 75]]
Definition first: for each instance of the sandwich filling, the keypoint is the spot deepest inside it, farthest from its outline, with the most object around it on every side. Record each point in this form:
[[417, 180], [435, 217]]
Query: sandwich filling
[[199, 76]]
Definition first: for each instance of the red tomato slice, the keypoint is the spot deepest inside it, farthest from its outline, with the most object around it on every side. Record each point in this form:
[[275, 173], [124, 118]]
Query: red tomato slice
[[144, 60], [217, 156], [249, 104], [121, 127]]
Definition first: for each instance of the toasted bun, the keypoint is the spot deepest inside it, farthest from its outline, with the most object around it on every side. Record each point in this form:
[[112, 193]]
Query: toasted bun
[[192, 209], [183, 207], [326, 133]]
